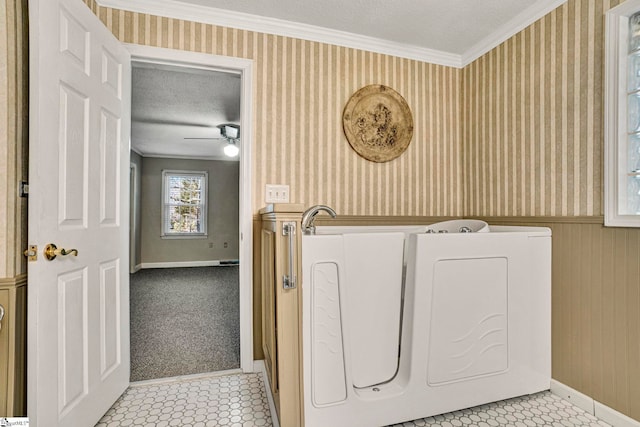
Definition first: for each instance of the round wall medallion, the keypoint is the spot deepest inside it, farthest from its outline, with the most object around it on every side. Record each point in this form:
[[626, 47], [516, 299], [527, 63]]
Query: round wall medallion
[[378, 123]]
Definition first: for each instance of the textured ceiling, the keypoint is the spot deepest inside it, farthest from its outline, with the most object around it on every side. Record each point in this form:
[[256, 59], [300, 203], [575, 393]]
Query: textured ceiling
[[169, 104], [452, 26]]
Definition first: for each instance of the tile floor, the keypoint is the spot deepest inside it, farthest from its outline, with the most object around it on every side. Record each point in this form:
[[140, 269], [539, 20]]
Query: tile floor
[[541, 409], [240, 400]]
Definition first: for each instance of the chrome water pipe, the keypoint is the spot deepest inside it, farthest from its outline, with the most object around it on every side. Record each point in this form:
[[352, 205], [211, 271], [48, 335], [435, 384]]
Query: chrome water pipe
[[310, 214]]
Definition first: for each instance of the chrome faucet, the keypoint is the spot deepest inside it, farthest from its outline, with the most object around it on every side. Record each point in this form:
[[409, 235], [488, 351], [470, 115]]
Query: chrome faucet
[[310, 214]]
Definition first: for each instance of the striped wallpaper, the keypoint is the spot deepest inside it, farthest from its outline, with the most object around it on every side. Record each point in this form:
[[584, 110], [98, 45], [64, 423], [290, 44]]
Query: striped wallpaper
[[533, 118], [301, 88], [14, 134], [517, 132]]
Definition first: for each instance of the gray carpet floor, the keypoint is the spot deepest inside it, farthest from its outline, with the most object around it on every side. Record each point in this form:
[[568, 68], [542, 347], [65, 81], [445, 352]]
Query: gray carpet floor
[[184, 321]]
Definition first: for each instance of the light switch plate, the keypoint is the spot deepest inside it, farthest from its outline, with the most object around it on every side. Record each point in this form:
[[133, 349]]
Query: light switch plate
[[277, 193]]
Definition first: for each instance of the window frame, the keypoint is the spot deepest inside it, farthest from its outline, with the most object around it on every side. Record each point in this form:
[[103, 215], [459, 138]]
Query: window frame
[[616, 111], [204, 205]]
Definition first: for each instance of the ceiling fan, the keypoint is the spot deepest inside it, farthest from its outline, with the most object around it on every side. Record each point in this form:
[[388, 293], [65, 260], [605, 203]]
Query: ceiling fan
[[230, 133]]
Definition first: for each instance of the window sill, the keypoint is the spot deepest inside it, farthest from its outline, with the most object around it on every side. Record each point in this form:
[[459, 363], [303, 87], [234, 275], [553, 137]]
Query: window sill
[[184, 236], [622, 221]]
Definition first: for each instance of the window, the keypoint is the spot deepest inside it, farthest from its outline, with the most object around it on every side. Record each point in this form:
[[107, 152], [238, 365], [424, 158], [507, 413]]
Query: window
[[184, 204], [622, 116]]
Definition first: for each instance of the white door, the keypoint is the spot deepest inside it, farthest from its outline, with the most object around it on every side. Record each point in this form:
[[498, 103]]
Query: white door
[[78, 328]]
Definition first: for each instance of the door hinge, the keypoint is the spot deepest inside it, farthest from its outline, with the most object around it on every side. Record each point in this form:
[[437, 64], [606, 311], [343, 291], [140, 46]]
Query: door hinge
[[31, 253], [23, 189]]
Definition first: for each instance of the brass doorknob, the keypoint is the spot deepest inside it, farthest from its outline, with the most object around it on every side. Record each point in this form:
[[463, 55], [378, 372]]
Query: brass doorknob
[[51, 251]]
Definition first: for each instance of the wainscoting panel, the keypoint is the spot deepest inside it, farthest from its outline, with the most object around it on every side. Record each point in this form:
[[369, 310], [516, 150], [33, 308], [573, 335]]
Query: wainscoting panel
[[595, 308]]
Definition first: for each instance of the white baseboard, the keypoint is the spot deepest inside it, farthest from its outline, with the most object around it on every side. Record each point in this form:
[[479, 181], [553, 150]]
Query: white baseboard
[[182, 378], [179, 264], [137, 268], [588, 404], [580, 400], [613, 417], [258, 366]]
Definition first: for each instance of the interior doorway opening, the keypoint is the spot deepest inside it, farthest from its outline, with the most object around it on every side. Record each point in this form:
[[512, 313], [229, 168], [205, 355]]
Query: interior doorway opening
[[195, 287], [184, 283]]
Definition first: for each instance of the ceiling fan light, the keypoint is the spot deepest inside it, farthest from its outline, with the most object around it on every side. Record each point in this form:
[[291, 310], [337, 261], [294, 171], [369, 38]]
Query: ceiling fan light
[[231, 150], [230, 131]]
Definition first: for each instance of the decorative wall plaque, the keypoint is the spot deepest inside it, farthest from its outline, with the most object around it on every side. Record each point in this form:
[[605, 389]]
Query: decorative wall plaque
[[378, 123]]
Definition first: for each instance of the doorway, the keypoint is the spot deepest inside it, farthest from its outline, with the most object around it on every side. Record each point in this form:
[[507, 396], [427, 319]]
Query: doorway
[[223, 250], [184, 293]]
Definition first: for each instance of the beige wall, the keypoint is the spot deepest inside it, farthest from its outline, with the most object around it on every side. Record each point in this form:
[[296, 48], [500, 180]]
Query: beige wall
[[517, 132], [533, 146], [533, 118], [595, 308], [524, 123], [301, 88], [223, 212], [13, 214], [13, 135]]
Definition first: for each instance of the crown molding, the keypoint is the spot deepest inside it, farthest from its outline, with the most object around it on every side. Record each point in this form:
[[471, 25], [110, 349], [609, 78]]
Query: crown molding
[[511, 28], [262, 24]]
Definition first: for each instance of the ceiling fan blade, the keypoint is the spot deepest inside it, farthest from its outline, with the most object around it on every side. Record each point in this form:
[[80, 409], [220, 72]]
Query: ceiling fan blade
[[210, 139], [164, 121]]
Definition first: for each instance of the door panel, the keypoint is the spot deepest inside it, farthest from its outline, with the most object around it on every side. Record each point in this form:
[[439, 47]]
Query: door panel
[[74, 41], [73, 146], [110, 168], [78, 359], [110, 317], [73, 346]]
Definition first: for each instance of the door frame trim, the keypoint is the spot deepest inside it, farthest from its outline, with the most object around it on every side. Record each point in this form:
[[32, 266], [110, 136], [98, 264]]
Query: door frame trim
[[243, 67], [133, 212]]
